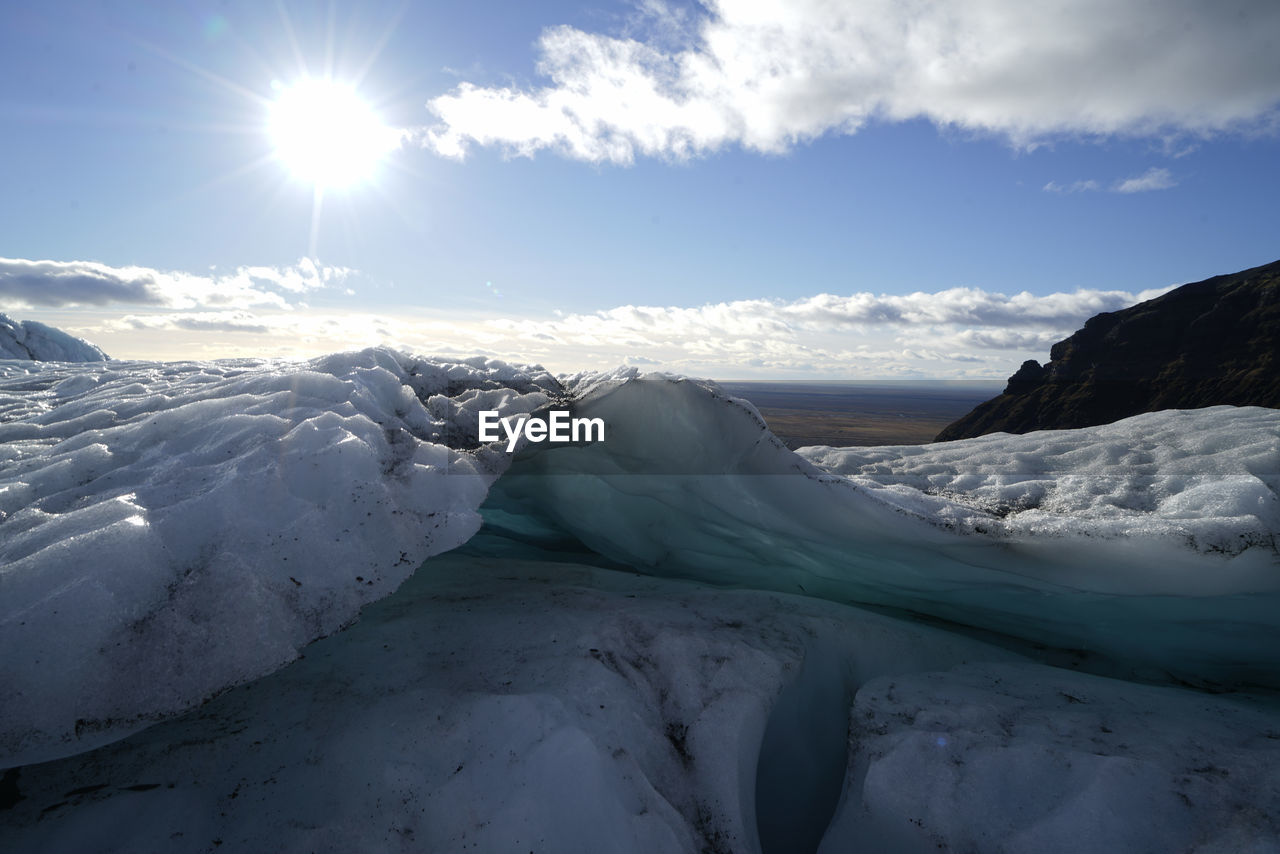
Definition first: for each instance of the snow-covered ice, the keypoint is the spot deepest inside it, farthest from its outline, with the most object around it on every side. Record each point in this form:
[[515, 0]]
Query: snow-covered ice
[[32, 340], [516, 705], [1208, 476], [168, 530], [1009, 756]]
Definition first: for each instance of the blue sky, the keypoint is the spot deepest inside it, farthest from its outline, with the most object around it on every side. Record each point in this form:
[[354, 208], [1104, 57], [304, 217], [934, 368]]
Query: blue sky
[[736, 189]]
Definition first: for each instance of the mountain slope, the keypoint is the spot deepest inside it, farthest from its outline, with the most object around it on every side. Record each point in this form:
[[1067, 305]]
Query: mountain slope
[[1203, 344]]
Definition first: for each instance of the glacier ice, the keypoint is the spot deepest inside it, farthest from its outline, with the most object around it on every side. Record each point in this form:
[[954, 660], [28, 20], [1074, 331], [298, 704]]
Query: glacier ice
[[1152, 540], [32, 340], [1007, 756], [490, 704], [513, 705], [170, 529]]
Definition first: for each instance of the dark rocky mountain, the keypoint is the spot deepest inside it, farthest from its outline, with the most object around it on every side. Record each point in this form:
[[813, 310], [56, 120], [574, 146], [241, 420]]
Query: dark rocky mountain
[[1203, 344]]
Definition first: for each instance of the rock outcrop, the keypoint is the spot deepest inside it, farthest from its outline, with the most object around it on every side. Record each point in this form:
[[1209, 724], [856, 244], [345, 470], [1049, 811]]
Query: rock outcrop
[[1203, 344]]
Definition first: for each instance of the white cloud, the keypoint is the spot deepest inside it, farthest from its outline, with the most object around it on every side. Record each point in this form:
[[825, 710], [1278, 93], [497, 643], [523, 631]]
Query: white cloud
[[53, 284], [954, 332], [951, 333], [1002, 339], [199, 321], [1084, 186], [1155, 178], [765, 74], [760, 319], [1152, 179], [270, 333]]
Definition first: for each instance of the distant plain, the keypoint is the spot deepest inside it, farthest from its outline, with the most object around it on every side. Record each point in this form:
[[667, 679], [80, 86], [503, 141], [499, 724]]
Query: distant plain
[[864, 413]]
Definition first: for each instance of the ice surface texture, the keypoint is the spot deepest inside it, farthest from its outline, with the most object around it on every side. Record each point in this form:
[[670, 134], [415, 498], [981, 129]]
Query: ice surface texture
[[1152, 540], [1208, 476], [517, 705], [30, 340], [168, 530], [1005, 756]]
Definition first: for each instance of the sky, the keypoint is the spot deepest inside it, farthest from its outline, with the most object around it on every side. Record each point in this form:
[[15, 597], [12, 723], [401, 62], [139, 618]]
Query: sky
[[741, 190]]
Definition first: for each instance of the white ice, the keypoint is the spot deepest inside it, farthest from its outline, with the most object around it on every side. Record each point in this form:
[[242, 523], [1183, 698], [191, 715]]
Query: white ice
[[1005, 756], [515, 705], [1209, 476], [32, 340], [170, 529]]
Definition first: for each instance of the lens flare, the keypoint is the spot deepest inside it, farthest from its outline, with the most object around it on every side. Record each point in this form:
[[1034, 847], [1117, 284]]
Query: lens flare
[[327, 135]]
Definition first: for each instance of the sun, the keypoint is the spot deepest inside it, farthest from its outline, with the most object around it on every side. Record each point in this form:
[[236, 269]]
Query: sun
[[328, 135]]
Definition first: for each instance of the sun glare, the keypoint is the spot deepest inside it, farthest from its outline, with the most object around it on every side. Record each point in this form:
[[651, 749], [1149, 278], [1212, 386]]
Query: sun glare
[[327, 135]]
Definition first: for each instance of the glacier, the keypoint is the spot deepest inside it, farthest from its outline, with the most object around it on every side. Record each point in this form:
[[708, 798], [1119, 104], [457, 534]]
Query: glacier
[[502, 704], [170, 529], [33, 340], [1151, 541], [299, 606]]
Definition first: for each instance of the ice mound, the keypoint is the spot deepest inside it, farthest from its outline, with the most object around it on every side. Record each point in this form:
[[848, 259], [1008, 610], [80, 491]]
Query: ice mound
[[29, 339], [1210, 476], [170, 529], [1152, 540]]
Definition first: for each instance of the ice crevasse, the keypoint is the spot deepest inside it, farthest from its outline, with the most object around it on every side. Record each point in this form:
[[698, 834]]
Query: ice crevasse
[[168, 530]]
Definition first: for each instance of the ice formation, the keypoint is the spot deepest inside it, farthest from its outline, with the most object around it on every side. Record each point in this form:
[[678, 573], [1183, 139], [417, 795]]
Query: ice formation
[[1010, 756], [1151, 540], [171, 530], [168, 530], [516, 705], [31, 340]]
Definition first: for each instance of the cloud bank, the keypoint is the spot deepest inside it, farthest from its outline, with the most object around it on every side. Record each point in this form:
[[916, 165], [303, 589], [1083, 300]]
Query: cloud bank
[[58, 284], [956, 332], [952, 333], [766, 74]]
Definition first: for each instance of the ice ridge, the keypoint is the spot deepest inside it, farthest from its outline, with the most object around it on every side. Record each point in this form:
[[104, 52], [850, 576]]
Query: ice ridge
[[1152, 540]]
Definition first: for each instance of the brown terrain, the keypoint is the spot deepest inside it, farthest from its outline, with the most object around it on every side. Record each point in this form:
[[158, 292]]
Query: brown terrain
[[860, 414]]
